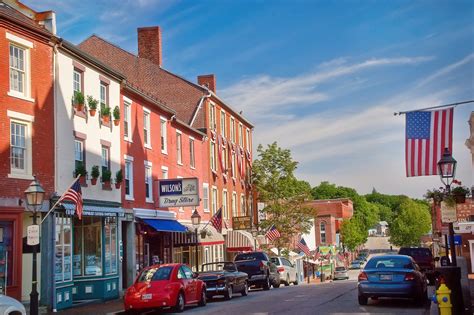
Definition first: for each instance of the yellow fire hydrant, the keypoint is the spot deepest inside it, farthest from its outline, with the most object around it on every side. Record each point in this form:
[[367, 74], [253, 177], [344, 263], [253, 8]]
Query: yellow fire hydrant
[[443, 298]]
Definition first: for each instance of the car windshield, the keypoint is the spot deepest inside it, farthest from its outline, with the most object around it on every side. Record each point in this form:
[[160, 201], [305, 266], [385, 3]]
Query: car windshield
[[220, 266], [154, 274], [389, 262], [275, 260], [340, 269], [250, 256], [416, 252]]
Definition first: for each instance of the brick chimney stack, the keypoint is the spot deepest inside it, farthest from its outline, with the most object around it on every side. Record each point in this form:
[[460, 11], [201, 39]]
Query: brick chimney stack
[[149, 44], [208, 80]]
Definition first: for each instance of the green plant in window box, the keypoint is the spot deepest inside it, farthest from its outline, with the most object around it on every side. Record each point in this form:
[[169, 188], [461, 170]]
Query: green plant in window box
[[78, 100], [82, 172], [95, 173], [118, 179], [105, 113], [106, 175], [435, 194], [92, 102], [116, 115], [459, 193]]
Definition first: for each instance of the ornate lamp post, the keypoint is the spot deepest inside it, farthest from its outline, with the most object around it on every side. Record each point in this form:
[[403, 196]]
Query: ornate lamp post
[[34, 199], [255, 234], [196, 220], [447, 171]]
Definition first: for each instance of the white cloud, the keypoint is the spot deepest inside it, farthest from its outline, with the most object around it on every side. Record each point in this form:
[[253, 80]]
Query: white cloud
[[444, 71]]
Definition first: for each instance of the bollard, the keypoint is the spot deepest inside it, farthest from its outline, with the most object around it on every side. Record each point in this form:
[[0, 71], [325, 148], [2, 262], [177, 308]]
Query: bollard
[[444, 300]]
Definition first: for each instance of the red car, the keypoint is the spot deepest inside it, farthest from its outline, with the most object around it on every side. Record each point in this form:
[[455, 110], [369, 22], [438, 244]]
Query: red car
[[165, 286]]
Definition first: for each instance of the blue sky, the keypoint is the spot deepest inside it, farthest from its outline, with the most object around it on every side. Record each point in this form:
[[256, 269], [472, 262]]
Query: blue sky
[[321, 78]]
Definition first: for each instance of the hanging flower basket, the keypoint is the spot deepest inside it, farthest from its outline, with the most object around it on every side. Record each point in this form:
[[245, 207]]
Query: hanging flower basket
[[460, 198]]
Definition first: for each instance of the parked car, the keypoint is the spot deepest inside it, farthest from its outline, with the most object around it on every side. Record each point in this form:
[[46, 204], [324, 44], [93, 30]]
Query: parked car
[[9, 305], [286, 270], [260, 270], [341, 273], [356, 264], [423, 258], [165, 286], [223, 278], [395, 276]]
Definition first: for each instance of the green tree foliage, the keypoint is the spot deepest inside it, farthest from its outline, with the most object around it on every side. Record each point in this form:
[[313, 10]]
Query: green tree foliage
[[283, 194], [412, 221], [353, 233]]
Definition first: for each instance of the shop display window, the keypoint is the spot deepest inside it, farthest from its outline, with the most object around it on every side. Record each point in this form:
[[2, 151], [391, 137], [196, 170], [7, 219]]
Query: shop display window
[[110, 230], [87, 259], [63, 255]]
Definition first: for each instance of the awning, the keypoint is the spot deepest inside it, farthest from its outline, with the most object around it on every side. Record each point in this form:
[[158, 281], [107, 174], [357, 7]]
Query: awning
[[210, 237], [165, 225], [239, 241], [90, 210]]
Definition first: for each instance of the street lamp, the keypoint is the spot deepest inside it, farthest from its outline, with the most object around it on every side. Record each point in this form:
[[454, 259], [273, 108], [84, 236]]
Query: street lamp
[[255, 234], [34, 199], [447, 171], [196, 220]]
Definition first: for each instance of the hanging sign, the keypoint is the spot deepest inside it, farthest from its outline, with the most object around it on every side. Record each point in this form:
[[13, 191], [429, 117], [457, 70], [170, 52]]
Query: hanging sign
[[32, 235], [448, 213], [178, 192]]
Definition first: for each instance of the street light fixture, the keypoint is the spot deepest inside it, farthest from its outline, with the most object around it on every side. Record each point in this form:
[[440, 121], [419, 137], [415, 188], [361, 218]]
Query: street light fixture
[[34, 199], [447, 172], [255, 234], [196, 221]]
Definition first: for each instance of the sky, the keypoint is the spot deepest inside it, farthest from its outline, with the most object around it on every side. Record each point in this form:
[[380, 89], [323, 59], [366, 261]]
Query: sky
[[322, 78]]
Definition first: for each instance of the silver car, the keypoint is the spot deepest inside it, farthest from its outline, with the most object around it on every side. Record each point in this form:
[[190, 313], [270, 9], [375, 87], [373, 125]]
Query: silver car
[[341, 273], [286, 269], [9, 306]]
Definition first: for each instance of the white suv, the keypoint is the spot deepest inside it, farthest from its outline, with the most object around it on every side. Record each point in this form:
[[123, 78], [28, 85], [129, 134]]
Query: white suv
[[286, 269]]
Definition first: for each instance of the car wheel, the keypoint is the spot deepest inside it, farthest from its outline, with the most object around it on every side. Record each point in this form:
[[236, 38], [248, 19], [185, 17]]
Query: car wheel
[[228, 293], [296, 281], [179, 307], [287, 282], [245, 291], [266, 285], [276, 285], [203, 300], [363, 300]]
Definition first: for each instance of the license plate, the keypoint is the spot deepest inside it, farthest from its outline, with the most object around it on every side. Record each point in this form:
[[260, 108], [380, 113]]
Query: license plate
[[386, 277], [146, 296]]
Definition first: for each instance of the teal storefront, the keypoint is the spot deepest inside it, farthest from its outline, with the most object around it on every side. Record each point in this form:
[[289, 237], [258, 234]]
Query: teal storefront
[[86, 255]]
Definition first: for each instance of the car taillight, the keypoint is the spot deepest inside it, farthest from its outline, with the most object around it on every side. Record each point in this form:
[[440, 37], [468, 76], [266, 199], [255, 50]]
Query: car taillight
[[281, 269], [262, 265], [409, 277], [363, 276]]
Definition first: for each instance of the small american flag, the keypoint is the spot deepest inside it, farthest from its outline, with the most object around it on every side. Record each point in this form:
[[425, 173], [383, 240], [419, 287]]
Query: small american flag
[[74, 193], [272, 234], [428, 133], [302, 246], [216, 220], [317, 254]]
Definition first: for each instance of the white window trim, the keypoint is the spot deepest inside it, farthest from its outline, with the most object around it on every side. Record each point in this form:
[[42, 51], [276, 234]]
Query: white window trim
[[208, 200], [223, 130], [165, 168], [27, 45], [165, 150], [242, 197], [19, 40], [241, 134], [232, 129], [129, 122], [147, 111], [25, 120], [225, 214], [194, 150], [130, 159], [247, 138], [234, 194], [217, 198], [178, 132], [149, 164]]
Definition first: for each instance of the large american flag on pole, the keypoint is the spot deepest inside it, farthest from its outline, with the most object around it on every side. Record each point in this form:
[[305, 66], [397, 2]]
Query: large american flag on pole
[[272, 234], [302, 246], [74, 194], [428, 133], [216, 220]]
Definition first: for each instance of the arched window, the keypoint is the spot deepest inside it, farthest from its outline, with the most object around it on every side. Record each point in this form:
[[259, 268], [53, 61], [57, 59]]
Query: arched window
[[322, 232]]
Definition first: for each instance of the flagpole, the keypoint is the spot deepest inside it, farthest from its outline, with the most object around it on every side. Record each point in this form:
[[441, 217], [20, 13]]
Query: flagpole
[[434, 107], [59, 200]]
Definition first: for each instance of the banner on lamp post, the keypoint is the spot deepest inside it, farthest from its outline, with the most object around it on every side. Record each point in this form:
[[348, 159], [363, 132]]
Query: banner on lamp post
[[448, 213]]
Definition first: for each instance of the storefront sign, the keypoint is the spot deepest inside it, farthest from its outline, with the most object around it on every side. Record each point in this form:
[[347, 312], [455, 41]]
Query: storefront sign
[[178, 192], [448, 213], [463, 227], [464, 211], [32, 235], [241, 223]]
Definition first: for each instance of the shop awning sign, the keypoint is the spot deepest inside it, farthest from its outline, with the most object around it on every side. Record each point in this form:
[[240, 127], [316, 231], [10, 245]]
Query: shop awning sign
[[448, 213], [242, 223], [32, 235], [178, 192]]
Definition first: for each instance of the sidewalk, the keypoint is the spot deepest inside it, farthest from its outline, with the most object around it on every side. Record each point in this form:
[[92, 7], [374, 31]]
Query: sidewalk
[[96, 307]]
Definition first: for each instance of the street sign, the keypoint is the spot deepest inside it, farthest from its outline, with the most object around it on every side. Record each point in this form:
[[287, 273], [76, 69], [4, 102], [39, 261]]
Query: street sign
[[32, 235], [448, 213], [178, 192], [242, 223]]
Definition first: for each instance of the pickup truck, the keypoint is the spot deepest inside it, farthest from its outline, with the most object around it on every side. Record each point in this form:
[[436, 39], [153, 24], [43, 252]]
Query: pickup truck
[[260, 270]]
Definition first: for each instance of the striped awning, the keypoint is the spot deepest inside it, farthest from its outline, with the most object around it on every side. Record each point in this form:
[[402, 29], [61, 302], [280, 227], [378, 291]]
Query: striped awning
[[239, 241], [210, 237]]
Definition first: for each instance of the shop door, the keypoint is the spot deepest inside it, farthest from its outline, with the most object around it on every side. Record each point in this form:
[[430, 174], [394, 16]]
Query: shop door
[[124, 255], [6, 256]]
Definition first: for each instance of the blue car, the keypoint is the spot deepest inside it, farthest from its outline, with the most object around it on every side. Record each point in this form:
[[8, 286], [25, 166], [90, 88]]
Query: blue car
[[395, 276]]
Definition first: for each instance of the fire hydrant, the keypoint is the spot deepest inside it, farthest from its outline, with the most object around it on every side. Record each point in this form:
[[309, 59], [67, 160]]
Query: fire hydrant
[[443, 299]]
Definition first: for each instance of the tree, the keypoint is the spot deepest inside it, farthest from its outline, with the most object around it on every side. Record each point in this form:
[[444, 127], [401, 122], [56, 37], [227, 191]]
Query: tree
[[283, 194], [412, 221], [353, 233]]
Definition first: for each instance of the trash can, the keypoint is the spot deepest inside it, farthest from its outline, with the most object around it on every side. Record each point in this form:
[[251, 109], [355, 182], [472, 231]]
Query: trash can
[[452, 279], [323, 277]]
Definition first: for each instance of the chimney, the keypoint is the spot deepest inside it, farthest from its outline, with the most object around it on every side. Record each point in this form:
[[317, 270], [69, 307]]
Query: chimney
[[208, 80], [149, 44]]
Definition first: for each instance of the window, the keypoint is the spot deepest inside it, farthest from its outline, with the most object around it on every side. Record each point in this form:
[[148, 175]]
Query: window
[[232, 129], [192, 159], [212, 117], [127, 124], [128, 177], [18, 147], [225, 157], [247, 139], [77, 80], [234, 205], [17, 69], [214, 200], [87, 251], [223, 129], [148, 182], [322, 232], [179, 149], [164, 172], [105, 158], [164, 145], [232, 160], [146, 128], [213, 155], [225, 211], [79, 153], [243, 210], [241, 136], [205, 197], [110, 230], [104, 93], [63, 256]]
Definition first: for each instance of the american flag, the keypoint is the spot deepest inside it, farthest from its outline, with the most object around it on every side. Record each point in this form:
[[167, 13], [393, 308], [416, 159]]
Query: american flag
[[216, 220], [317, 254], [302, 245], [272, 234], [74, 193], [428, 133]]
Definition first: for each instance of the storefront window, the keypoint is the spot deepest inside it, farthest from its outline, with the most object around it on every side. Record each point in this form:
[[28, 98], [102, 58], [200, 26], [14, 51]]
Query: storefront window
[[87, 259], [6, 255], [63, 260], [110, 230]]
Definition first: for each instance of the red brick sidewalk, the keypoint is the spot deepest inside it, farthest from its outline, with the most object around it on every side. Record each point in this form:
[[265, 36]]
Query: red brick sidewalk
[[96, 308]]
